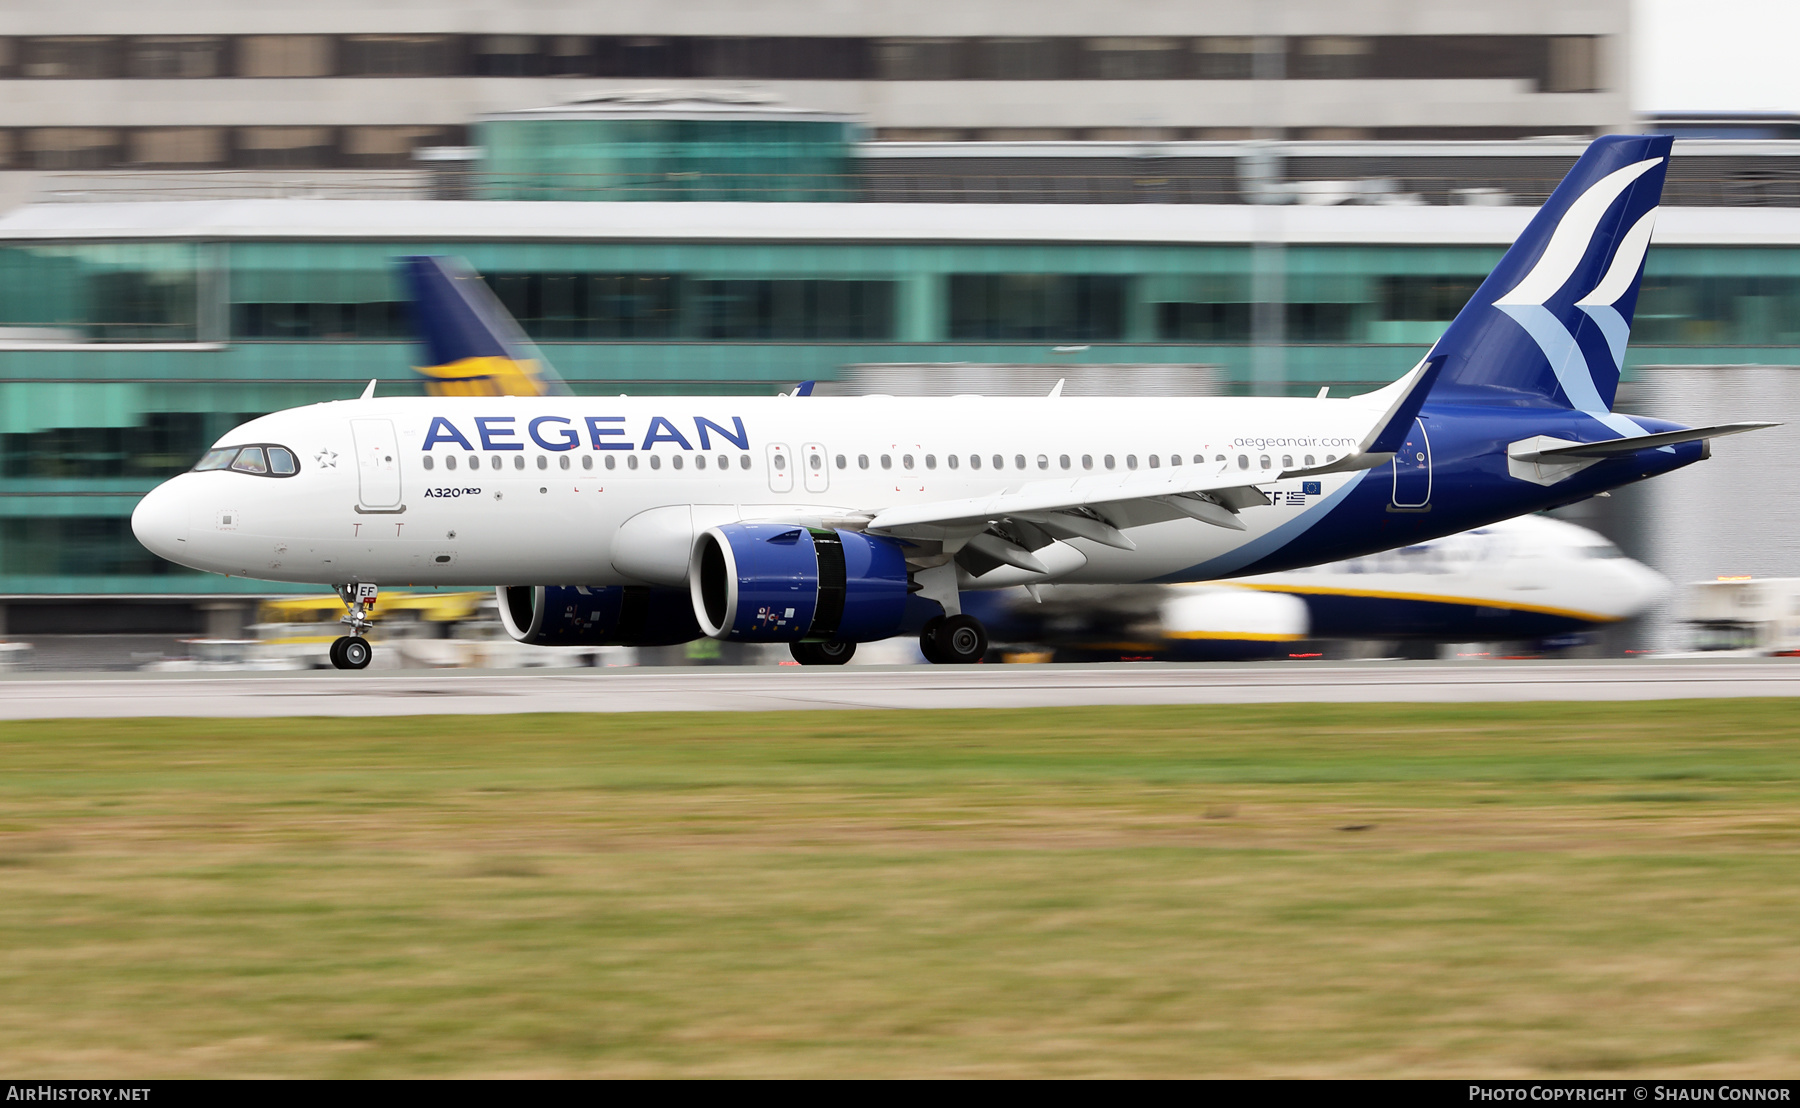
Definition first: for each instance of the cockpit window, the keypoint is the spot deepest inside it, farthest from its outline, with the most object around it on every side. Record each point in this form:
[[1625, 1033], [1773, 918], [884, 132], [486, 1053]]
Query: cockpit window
[[260, 460]]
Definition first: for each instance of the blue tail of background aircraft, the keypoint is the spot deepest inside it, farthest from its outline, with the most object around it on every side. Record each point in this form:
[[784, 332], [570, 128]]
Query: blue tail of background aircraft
[[1548, 327], [472, 345]]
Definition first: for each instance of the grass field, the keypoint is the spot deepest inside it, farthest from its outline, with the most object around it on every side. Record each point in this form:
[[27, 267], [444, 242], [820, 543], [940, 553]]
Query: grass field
[[1361, 890]]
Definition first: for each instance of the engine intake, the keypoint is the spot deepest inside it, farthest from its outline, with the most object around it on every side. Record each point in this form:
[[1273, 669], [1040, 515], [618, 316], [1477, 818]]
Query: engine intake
[[770, 582], [574, 615]]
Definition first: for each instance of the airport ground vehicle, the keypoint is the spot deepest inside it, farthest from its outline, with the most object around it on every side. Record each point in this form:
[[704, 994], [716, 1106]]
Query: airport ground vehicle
[[825, 522], [1744, 615]]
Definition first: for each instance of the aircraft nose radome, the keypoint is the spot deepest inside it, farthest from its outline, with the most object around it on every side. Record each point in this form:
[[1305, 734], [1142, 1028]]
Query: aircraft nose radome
[[1652, 588], [160, 522]]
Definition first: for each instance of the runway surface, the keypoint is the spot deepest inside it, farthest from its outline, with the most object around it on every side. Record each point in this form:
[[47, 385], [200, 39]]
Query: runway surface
[[752, 689]]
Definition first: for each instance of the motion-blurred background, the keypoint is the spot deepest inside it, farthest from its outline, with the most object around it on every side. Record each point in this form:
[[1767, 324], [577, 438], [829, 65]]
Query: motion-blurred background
[[200, 204]]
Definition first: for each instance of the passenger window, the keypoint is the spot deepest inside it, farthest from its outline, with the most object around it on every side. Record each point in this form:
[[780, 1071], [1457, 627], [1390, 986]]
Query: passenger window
[[611, 461], [1153, 462], [887, 461], [1219, 458], [974, 461], [450, 461], [280, 460], [906, 460], [1287, 461], [1243, 461], [250, 460], [587, 461], [216, 459], [1198, 458], [427, 462], [1329, 458], [1087, 461], [699, 461], [1265, 461], [1043, 461], [563, 461], [931, 461], [1309, 461], [1131, 461], [1108, 460], [543, 462], [862, 461], [842, 462], [1174, 459], [494, 461], [676, 462], [655, 461], [780, 463], [1063, 460], [952, 460], [999, 462], [743, 461], [474, 462], [817, 461], [1018, 461], [630, 461]]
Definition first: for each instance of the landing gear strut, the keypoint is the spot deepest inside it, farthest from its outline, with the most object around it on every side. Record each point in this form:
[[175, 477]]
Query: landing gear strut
[[353, 651], [822, 653], [953, 640]]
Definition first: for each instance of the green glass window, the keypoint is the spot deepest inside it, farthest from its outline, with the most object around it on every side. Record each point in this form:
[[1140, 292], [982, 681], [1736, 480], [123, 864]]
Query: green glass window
[[794, 309], [1037, 306], [76, 546], [665, 159], [591, 305], [101, 292]]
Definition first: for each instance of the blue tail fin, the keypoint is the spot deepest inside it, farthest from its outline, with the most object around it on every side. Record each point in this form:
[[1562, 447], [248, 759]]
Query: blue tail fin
[[472, 346], [1549, 325]]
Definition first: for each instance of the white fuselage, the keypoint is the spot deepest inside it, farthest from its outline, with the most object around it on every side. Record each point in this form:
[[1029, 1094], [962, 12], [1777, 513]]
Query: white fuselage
[[1530, 563], [525, 490]]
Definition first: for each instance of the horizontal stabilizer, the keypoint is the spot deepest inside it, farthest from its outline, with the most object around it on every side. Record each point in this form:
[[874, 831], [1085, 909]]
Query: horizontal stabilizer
[[1612, 448]]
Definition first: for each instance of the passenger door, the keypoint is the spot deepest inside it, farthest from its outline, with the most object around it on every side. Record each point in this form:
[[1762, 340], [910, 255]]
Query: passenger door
[[1412, 470], [377, 464], [816, 467], [781, 468]]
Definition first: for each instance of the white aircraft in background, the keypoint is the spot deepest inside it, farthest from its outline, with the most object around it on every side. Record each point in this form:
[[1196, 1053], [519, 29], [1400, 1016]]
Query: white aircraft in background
[[1529, 579], [825, 522]]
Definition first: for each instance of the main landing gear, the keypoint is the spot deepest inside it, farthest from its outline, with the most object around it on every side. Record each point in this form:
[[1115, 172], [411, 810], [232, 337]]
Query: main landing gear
[[953, 640], [353, 651], [822, 653]]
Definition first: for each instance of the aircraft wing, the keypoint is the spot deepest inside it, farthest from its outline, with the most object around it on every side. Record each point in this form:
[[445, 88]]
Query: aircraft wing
[[1006, 527]]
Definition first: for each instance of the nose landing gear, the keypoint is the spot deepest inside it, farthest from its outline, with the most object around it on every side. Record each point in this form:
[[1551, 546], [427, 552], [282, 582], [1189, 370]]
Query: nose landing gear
[[353, 651]]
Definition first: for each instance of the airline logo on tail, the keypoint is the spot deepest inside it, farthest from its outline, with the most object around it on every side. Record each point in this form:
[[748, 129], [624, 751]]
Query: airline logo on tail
[[1569, 245], [491, 376], [1564, 294], [473, 346]]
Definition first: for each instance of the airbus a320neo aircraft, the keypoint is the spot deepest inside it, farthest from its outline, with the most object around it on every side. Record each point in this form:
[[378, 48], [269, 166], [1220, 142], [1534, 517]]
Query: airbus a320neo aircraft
[[825, 522]]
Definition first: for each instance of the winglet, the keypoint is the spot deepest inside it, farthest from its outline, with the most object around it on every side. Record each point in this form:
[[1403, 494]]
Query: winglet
[[369, 391], [804, 388], [1057, 391]]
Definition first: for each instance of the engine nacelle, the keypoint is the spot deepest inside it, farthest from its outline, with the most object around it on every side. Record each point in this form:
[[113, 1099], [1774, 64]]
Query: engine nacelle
[[770, 582], [572, 615]]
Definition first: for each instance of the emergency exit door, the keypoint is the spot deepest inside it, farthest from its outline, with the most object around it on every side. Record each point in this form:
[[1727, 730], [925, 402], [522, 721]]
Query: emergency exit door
[[1412, 470], [377, 464]]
